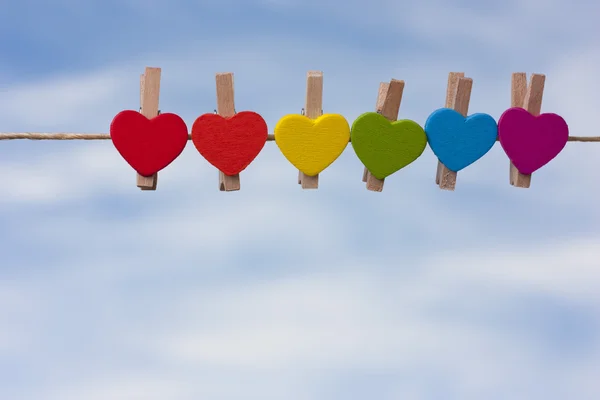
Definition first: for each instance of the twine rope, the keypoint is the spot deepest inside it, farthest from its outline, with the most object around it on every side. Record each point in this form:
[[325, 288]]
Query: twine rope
[[106, 136]]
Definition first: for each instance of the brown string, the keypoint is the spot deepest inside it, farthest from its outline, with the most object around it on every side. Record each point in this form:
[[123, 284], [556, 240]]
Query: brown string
[[106, 136]]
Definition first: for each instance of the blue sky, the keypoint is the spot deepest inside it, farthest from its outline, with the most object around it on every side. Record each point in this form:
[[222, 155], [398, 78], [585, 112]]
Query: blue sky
[[107, 292]]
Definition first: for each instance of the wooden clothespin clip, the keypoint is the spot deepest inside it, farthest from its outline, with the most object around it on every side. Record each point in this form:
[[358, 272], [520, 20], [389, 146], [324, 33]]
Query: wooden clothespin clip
[[226, 109], [388, 105], [458, 96], [149, 93], [313, 109], [529, 98]]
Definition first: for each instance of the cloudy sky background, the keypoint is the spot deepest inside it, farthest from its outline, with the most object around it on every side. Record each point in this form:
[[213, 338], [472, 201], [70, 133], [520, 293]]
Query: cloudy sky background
[[107, 292]]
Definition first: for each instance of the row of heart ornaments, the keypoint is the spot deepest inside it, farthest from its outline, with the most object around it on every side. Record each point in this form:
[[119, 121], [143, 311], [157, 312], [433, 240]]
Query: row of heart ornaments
[[384, 147]]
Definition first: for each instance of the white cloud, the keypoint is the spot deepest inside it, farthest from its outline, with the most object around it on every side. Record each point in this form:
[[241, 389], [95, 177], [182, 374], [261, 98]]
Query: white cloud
[[67, 100], [362, 320], [122, 388], [563, 268], [354, 320]]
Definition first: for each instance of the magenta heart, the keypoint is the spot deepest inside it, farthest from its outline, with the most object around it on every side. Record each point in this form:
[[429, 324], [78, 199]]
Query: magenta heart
[[531, 142]]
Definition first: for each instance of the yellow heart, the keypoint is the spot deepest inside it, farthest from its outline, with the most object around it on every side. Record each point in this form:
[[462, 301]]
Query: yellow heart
[[312, 145]]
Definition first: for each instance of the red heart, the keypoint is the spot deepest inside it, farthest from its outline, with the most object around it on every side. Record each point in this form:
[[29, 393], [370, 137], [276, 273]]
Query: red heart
[[230, 144], [148, 145]]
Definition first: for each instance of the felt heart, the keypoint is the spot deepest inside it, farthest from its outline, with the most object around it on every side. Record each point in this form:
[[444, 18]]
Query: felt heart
[[230, 144], [531, 142], [458, 141], [312, 145], [385, 147], [148, 145]]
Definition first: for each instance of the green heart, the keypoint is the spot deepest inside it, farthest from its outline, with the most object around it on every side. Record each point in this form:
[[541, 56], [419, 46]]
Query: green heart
[[385, 147]]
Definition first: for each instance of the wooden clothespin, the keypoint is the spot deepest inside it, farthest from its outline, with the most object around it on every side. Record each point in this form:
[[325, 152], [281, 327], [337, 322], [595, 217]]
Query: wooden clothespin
[[529, 98], [313, 109], [149, 93], [226, 109], [458, 96], [388, 105]]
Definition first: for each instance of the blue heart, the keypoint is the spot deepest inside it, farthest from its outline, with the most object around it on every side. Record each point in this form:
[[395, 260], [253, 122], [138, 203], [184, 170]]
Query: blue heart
[[458, 141]]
